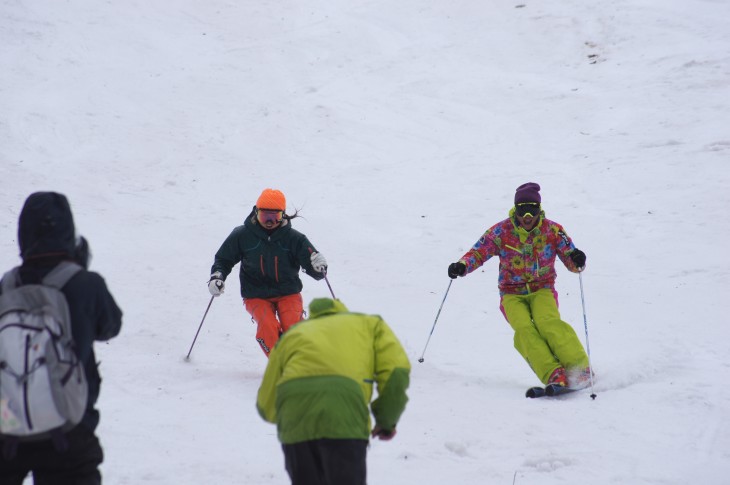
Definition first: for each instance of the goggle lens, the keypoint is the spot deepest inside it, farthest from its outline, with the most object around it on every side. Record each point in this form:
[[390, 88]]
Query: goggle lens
[[527, 208], [269, 215]]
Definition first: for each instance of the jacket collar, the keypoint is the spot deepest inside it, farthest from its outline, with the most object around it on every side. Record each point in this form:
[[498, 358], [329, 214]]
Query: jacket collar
[[522, 233]]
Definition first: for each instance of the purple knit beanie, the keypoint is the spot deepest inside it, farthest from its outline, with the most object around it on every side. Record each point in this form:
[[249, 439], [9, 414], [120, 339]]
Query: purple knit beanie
[[529, 192]]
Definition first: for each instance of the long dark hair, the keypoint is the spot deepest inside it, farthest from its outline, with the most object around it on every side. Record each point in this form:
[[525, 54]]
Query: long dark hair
[[286, 216], [293, 216]]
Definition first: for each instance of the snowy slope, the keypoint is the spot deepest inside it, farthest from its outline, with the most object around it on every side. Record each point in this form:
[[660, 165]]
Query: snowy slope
[[400, 130]]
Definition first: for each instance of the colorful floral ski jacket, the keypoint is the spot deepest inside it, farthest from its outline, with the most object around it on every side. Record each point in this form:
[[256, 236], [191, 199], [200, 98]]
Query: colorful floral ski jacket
[[526, 259]]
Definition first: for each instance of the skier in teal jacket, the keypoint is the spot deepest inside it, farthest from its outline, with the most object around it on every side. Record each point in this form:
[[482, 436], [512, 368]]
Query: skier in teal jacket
[[271, 254], [317, 389]]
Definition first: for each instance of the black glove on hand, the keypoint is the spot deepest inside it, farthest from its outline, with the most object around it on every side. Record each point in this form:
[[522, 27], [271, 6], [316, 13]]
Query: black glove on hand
[[578, 257], [456, 269]]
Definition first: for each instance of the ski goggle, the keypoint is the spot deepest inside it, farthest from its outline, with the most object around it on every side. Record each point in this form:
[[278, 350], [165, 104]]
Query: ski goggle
[[527, 208], [269, 215]]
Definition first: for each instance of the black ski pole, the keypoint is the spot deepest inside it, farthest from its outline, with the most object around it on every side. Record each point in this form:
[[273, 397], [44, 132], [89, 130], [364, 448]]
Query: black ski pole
[[434, 322], [187, 357], [328, 285], [585, 324]]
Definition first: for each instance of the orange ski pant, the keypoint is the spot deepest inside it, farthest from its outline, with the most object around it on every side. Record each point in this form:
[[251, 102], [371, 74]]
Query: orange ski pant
[[274, 316]]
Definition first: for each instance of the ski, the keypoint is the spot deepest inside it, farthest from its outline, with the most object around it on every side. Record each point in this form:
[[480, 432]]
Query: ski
[[551, 390], [557, 390], [534, 392]]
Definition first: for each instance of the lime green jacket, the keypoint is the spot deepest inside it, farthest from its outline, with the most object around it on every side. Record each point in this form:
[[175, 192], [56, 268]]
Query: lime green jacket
[[320, 376]]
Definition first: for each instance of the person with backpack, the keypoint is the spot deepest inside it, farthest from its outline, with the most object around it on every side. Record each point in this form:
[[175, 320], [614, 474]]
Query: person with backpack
[[527, 244], [317, 388], [53, 272], [271, 253]]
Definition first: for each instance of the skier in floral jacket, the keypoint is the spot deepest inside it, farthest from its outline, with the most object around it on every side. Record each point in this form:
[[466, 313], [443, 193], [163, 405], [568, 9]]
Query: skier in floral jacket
[[527, 244]]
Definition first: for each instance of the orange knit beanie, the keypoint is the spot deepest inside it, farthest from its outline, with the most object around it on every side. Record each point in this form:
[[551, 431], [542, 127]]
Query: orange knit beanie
[[271, 199]]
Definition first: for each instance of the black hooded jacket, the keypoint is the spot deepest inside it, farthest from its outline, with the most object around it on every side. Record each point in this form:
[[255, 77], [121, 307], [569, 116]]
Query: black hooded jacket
[[46, 235]]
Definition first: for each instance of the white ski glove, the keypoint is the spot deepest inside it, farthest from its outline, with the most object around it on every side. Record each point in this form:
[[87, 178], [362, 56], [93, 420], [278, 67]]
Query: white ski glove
[[319, 264], [216, 285]]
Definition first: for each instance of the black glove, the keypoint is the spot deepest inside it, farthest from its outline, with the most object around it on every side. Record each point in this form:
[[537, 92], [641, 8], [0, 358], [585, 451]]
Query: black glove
[[456, 269], [383, 434], [578, 257]]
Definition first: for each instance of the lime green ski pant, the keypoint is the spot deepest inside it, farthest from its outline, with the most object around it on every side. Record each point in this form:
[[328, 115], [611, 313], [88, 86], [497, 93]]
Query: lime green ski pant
[[544, 340]]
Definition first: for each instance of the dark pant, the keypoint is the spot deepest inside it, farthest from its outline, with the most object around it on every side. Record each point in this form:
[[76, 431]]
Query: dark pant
[[77, 465], [326, 462]]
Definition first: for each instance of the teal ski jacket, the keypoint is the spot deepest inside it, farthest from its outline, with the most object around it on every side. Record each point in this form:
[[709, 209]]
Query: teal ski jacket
[[270, 263]]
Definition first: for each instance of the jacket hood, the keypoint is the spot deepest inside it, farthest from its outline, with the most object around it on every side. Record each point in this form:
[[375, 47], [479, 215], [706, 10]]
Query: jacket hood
[[325, 306], [46, 226]]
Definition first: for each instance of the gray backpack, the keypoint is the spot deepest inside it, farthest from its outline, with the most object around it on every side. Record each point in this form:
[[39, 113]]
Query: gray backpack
[[43, 386]]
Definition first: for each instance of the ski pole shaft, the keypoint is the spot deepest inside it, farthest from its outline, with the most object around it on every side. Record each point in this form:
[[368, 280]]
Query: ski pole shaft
[[187, 357], [329, 286], [434, 322], [585, 325]]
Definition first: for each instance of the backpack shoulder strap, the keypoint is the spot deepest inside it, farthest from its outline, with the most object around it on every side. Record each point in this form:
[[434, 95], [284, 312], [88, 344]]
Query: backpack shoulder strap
[[10, 280], [60, 275]]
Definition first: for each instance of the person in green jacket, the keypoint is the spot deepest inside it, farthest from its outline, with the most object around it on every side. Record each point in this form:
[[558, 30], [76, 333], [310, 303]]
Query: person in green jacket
[[271, 254], [318, 386]]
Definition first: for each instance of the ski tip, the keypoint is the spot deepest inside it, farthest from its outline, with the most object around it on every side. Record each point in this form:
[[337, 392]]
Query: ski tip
[[535, 392], [551, 390]]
